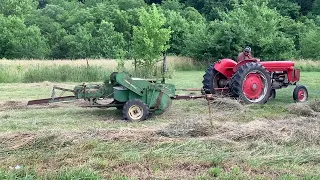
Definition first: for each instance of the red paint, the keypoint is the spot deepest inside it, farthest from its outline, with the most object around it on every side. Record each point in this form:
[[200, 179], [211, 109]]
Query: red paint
[[228, 67], [278, 65], [225, 67], [302, 95], [294, 75], [253, 86]]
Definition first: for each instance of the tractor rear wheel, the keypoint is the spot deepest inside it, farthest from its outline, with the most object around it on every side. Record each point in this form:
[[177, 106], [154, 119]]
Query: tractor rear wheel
[[213, 79], [135, 110], [300, 94], [251, 83]]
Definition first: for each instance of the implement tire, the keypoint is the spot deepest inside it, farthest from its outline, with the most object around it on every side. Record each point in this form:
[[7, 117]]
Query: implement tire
[[135, 110]]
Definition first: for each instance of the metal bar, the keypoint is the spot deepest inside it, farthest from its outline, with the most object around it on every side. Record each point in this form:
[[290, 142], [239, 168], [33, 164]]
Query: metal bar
[[207, 96], [221, 89], [51, 100], [197, 89], [178, 97], [63, 89], [190, 89], [104, 105]]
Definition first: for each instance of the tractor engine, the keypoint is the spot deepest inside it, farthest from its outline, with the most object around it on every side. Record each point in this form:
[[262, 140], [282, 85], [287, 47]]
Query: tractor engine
[[279, 79]]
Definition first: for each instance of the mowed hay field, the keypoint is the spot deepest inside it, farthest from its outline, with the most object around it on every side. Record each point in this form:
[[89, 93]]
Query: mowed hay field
[[278, 140]]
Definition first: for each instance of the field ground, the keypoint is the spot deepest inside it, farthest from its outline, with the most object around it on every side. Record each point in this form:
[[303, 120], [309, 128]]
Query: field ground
[[64, 141]]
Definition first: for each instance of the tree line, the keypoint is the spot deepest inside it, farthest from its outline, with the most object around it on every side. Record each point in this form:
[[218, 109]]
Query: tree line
[[144, 30]]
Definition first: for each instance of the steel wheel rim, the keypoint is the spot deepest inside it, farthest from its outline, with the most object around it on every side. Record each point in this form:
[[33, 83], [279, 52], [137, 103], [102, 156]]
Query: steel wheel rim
[[302, 95], [255, 86], [135, 112], [216, 80]]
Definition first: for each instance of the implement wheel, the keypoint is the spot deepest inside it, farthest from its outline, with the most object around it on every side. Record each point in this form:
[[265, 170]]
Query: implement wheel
[[135, 110], [212, 79], [300, 94], [251, 83]]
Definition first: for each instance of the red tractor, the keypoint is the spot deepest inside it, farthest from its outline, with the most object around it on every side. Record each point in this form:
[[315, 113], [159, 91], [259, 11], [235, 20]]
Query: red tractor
[[253, 82]]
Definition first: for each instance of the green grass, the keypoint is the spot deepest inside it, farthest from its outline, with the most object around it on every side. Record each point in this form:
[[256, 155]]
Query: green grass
[[66, 141]]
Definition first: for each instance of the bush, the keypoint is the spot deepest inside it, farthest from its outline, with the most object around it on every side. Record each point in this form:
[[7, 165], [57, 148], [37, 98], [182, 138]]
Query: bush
[[310, 47]]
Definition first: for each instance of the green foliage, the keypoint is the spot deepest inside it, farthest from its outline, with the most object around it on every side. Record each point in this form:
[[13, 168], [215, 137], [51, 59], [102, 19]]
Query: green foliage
[[306, 6], [150, 38], [202, 29], [19, 41], [310, 47], [285, 7], [19, 8], [251, 23], [316, 7], [211, 9]]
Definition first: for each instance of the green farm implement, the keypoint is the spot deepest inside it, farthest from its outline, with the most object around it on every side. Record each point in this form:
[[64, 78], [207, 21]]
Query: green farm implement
[[136, 97], [249, 81]]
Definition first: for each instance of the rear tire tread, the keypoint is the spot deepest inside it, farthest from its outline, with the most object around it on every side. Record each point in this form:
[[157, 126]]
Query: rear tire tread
[[208, 80], [235, 85]]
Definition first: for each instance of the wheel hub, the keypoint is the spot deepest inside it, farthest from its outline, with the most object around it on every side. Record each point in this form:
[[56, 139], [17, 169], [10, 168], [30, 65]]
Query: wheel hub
[[253, 86], [135, 112], [302, 95]]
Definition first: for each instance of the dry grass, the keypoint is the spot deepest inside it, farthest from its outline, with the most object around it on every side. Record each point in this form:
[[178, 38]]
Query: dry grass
[[172, 61], [283, 131], [243, 142], [309, 109], [111, 64]]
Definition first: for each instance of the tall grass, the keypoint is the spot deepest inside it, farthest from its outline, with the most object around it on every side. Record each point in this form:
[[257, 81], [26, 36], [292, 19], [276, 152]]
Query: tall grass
[[66, 73], [308, 65], [14, 71], [55, 73]]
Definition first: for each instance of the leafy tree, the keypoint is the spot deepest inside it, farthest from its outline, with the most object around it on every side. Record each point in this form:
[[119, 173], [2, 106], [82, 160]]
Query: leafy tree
[[18, 8], [79, 45], [310, 47], [108, 43], [286, 7], [173, 5], [306, 6], [150, 38], [251, 23], [316, 7], [178, 25], [211, 9], [19, 41]]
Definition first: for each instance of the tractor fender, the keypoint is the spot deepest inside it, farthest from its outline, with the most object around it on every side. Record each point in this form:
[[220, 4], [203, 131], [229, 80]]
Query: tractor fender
[[242, 63], [225, 67]]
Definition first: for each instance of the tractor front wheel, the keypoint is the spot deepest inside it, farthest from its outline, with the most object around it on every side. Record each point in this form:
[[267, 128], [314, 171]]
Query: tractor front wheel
[[300, 94], [251, 83], [135, 110]]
